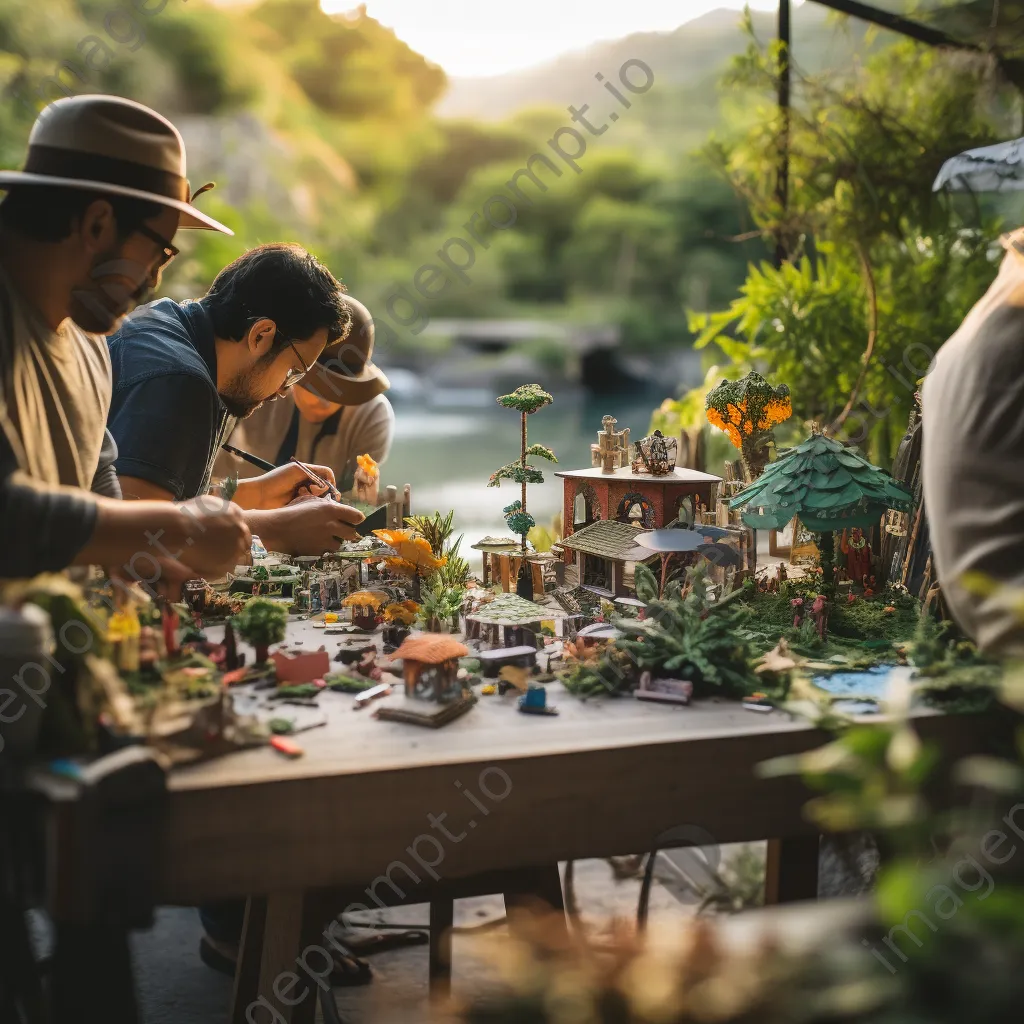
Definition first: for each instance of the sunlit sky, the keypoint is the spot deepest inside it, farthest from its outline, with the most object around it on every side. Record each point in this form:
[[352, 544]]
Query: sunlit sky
[[489, 37]]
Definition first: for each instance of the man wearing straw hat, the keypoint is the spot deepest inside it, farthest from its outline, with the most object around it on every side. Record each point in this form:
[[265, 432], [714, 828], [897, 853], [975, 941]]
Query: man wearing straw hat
[[86, 229]]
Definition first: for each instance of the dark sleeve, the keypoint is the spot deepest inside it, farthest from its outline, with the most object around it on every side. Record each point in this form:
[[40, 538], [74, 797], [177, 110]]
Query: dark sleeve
[[105, 481], [45, 528], [164, 427]]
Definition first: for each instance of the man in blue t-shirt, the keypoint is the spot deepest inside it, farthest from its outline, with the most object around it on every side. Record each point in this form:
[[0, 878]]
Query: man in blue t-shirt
[[185, 373]]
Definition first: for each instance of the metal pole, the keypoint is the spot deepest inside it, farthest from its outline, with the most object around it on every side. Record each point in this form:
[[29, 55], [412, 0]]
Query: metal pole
[[785, 82]]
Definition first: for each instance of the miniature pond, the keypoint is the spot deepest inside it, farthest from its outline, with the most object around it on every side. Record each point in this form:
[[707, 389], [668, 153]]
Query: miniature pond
[[872, 682]]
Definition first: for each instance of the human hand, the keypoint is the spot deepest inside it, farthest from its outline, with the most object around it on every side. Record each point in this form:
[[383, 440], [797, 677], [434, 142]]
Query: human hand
[[217, 537], [277, 487], [311, 526]]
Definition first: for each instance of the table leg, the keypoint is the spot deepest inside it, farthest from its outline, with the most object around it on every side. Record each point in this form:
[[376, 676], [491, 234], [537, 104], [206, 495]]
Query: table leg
[[791, 870], [290, 926], [442, 918], [537, 890], [250, 955]]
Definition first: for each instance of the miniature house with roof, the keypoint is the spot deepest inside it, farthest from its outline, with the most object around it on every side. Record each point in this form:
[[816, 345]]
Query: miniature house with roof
[[623, 493]]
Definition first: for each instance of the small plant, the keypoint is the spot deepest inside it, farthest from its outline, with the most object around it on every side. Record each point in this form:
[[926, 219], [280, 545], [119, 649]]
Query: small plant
[[261, 622], [440, 605]]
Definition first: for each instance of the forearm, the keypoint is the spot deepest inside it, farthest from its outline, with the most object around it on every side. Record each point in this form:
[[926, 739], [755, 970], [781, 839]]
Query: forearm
[[269, 525], [249, 495], [134, 534], [46, 530]]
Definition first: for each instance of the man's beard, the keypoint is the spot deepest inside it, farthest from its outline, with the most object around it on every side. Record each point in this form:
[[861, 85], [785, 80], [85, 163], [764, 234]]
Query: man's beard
[[99, 306], [240, 397]]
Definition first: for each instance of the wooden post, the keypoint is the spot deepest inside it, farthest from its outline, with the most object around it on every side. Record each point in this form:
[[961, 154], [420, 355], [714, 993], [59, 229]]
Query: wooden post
[[785, 83]]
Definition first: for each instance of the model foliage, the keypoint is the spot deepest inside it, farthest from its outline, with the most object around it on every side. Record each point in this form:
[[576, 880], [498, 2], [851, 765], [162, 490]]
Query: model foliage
[[747, 410], [261, 622], [526, 400]]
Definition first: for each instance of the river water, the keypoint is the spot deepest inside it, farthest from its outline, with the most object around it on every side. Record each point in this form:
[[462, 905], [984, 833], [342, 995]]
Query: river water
[[447, 450]]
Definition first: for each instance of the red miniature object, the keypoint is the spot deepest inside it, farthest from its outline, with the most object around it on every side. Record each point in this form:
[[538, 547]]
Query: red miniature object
[[286, 746], [819, 612], [797, 604], [169, 623], [301, 667], [320, 684]]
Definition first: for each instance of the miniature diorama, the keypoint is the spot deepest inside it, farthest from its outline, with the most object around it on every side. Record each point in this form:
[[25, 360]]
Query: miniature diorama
[[643, 494], [365, 605], [430, 669]]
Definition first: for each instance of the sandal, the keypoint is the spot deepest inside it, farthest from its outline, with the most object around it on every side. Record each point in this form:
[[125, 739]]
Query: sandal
[[348, 972]]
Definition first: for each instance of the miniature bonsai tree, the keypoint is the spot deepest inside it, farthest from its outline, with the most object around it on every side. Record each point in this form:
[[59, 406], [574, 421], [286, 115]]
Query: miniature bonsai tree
[[747, 410], [526, 400], [261, 623]]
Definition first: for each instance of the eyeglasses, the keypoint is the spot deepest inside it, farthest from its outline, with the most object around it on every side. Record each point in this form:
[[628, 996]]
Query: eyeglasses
[[167, 250], [294, 376]]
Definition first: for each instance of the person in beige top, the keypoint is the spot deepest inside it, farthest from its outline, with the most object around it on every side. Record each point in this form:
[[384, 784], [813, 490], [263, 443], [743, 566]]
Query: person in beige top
[[335, 414], [972, 405], [85, 231]]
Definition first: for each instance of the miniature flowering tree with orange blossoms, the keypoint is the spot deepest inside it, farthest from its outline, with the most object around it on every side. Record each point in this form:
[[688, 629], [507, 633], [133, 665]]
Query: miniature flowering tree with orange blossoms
[[747, 410], [413, 556]]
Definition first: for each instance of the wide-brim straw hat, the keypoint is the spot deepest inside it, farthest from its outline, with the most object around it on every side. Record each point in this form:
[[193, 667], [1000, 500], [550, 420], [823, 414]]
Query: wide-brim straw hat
[[111, 145], [344, 373]]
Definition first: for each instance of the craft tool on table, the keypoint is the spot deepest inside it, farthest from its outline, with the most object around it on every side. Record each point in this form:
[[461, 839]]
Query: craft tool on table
[[364, 698], [285, 746]]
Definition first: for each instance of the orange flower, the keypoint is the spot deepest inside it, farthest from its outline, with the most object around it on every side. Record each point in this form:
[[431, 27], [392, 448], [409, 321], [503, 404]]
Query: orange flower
[[367, 464]]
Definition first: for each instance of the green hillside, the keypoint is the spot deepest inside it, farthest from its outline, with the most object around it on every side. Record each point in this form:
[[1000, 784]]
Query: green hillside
[[691, 57]]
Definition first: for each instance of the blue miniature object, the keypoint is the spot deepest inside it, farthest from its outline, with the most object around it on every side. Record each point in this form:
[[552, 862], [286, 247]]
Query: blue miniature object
[[535, 701], [258, 550]]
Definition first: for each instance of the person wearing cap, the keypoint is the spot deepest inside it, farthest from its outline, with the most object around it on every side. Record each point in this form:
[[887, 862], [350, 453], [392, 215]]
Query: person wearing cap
[[86, 228], [186, 372], [337, 413]]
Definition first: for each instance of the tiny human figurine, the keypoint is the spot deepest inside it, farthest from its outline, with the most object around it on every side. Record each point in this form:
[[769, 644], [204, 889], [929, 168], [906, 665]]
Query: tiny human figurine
[[797, 604], [169, 624], [858, 553], [819, 612]]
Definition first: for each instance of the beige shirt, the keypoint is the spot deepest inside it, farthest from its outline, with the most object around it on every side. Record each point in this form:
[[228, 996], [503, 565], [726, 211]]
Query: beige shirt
[[366, 429], [54, 394], [973, 460]]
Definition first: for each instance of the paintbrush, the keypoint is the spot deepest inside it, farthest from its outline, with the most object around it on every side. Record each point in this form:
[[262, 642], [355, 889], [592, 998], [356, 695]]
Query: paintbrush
[[255, 460], [318, 480]]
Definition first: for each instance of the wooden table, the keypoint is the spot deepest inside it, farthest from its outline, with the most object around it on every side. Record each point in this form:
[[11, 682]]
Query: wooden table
[[419, 815]]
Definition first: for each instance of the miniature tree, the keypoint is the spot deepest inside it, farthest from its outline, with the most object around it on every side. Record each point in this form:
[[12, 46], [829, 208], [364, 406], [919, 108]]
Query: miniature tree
[[261, 623], [526, 400], [413, 556], [828, 486], [747, 410]]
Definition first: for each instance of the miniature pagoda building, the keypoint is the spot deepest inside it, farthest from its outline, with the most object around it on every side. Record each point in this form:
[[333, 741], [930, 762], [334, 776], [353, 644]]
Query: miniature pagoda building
[[430, 666], [612, 449], [603, 554], [650, 491], [513, 621]]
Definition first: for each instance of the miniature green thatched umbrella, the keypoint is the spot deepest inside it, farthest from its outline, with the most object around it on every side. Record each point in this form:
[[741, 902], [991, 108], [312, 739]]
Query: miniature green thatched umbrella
[[825, 484]]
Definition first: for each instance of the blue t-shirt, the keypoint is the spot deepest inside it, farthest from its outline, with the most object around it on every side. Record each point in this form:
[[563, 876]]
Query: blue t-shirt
[[166, 416]]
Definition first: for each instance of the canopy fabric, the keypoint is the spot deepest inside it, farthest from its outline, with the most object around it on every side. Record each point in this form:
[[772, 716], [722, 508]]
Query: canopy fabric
[[998, 168], [826, 484]]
